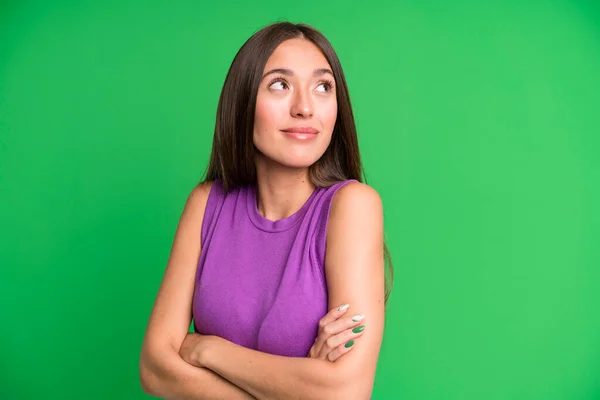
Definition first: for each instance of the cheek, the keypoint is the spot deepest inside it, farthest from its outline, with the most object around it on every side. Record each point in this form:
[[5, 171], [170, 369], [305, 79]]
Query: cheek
[[267, 115], [329, 116], [261, 118], [330, 109], [267, 119]]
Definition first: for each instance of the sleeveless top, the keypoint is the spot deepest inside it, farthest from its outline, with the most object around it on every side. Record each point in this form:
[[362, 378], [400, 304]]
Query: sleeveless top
[[261, 283]]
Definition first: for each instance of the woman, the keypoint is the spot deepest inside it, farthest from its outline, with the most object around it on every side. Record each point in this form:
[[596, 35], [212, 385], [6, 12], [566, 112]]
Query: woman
[[280, 231]]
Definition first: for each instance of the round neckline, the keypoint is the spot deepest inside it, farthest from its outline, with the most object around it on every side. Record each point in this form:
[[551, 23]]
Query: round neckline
[[281, 224]]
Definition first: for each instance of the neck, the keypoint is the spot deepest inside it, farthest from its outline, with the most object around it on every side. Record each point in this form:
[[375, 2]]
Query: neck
[[281, 191]]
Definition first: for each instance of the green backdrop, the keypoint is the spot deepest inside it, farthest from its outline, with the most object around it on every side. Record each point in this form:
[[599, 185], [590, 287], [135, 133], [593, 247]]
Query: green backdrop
[[478, 124]]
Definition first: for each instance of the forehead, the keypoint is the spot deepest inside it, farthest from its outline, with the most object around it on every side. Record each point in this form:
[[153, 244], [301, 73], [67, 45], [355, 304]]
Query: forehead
[[299, 55]]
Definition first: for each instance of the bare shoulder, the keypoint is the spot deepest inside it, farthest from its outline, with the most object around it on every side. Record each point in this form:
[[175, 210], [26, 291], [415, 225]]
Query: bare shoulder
[[202, 189], [355, 227], [198, 196], [356, 200], [355, 219], [195, 204]]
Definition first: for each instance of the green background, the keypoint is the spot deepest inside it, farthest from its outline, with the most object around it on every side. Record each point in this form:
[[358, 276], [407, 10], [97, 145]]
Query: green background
[[478, 125]]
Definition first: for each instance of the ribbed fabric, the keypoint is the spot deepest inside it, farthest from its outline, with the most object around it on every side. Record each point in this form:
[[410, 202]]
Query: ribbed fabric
[[261, 283]]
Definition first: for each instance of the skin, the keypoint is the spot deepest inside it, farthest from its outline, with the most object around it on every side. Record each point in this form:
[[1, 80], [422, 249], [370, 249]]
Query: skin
[[300, 99], [175, 364]]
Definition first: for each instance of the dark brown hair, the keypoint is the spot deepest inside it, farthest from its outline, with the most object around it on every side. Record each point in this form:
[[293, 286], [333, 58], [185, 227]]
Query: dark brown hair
[[232, 160]]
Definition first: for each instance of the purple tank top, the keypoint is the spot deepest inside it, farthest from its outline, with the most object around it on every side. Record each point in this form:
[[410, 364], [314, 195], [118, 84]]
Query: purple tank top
[[260, 283]]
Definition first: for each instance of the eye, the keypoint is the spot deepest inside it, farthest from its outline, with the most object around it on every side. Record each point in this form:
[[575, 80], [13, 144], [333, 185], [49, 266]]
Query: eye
[[278, 84], [327, 86]]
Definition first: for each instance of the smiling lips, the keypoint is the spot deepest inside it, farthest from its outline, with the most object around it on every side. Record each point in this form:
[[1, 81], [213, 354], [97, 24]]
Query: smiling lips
[[301, 133]]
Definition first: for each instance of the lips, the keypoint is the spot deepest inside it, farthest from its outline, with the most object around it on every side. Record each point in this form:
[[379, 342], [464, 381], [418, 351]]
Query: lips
[[301, 129], [301, 133]]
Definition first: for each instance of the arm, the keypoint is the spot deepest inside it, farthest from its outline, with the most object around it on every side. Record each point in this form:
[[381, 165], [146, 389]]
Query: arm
[[163, 372], [167, 376], [355, 275]]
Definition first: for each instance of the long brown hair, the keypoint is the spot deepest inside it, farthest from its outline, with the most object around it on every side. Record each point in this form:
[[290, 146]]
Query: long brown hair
[[232, 159]]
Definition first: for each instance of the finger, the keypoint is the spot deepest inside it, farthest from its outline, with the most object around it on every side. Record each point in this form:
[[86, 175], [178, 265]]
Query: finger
[[335, 328], [333, 315], [334, 342], [327, 319], [312, 353], [340, 350], [341, 324]]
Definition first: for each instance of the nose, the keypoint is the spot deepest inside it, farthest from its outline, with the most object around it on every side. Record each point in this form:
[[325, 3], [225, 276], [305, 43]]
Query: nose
[[301, 106]]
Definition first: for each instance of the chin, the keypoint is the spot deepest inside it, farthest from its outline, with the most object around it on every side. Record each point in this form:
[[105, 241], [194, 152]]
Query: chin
[[292, 158], [299, 162]]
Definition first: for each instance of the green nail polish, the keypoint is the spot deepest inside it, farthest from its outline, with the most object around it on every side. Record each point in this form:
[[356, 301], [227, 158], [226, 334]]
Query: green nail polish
[[358, 329], [349, 344]]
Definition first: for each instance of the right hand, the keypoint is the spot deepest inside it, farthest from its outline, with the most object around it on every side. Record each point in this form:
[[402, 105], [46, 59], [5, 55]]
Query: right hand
[[336, 336]]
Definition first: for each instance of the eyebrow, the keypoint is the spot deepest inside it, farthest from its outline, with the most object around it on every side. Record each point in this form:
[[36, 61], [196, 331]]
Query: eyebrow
[[288, 72]]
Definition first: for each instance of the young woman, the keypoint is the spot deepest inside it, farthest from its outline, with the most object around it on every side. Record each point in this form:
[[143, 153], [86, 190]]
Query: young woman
[[280, 231]]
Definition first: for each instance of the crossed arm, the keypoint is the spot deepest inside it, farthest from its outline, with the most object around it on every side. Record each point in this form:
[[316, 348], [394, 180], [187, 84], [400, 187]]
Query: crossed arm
[[354, 269]]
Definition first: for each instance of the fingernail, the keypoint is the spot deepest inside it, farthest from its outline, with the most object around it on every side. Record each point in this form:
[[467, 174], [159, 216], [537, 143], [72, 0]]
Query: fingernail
[[349, 344], [344, 307], [358, 317], [358, 329]]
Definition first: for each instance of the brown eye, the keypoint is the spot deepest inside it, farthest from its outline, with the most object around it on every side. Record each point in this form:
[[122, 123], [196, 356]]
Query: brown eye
[[278, 84], [327, 86]]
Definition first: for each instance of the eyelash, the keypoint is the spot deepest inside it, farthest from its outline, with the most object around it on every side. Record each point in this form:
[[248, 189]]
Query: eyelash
[[327, 82]]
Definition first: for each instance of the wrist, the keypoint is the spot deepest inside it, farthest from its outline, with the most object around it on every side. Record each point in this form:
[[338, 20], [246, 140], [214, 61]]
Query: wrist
[[205, 350], [196, 354], [193, 348]]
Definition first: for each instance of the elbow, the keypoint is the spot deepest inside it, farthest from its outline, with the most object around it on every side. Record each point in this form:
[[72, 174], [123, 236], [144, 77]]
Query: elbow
[[159, 371], [148, 378]]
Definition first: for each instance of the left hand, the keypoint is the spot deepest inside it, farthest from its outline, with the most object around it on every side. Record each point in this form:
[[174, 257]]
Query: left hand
[[192, 348], [336, 336]]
